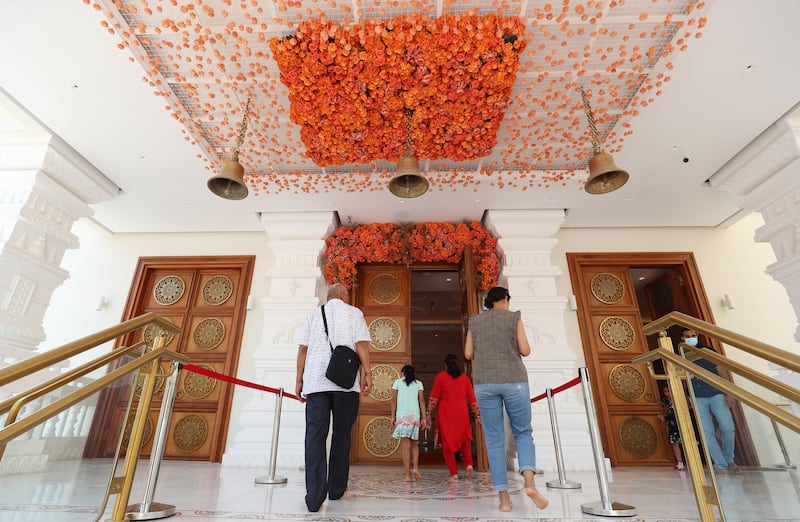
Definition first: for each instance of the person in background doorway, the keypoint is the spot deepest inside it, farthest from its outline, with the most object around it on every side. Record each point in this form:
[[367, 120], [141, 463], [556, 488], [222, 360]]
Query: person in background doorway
[[712, 405], [496, 342], [324, 399], [672, 426], [452, 396], [408, 412]]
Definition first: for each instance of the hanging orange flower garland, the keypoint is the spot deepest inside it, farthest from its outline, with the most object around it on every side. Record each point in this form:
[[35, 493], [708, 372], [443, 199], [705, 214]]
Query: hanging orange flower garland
[[352, 87], [422, 243]]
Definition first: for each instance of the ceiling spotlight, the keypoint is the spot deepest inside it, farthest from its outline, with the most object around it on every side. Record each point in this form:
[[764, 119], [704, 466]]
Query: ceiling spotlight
[[229, 183]]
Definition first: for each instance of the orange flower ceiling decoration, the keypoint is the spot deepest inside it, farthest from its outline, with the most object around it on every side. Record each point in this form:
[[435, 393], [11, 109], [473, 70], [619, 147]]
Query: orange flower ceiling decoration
[[352, 86], [206, 57], [405, 244]]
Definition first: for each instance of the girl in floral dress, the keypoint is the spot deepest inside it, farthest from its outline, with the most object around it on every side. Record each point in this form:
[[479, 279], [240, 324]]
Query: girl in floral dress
[[408, 411]]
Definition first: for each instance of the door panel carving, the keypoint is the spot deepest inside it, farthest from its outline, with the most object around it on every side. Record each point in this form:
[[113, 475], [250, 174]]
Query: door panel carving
[[677, 286], [206, 296]]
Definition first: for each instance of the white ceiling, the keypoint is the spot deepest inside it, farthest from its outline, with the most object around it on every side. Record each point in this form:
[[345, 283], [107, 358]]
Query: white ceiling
[[63, 66]]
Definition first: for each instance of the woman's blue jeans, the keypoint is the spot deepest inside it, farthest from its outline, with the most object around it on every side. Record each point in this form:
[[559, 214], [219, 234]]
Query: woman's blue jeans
[[515, 396]]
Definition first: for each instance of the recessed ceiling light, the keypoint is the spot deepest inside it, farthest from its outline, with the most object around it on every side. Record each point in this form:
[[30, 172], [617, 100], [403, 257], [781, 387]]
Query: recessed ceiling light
[[748, 68], [642, 278], [448, 279], [143, 158], [402, 201], [476, 201], [74, 85]]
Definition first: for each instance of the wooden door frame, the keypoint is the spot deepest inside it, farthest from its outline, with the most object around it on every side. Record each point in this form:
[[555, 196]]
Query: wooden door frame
[[698, 300], [102, 427]]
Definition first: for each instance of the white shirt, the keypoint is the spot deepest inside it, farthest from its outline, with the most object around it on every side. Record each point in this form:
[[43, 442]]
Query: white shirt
[[346, 326]]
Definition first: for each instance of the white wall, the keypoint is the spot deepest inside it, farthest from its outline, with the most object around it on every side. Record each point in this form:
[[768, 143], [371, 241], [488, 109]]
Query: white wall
[[729, 261]]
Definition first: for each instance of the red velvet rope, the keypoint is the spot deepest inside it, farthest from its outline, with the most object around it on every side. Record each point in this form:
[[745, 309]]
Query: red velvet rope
[[567, 385], [208, 373]]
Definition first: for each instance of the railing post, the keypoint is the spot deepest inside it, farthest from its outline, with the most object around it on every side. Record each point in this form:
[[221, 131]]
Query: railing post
[[787, 461], [147, 509], [604, 506], [562, 482], [273, 455]]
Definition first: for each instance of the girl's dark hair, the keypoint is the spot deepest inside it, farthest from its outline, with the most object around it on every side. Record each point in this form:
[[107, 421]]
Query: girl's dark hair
[[453, 367], [498, 293], [409, 374]]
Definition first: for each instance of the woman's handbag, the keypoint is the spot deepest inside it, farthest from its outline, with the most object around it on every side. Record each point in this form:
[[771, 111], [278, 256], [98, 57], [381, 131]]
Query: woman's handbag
[[343, 366]]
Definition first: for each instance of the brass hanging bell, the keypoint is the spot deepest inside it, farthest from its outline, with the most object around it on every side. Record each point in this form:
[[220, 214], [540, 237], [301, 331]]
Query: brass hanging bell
[[408, 182], [604, 175], [229, 183]]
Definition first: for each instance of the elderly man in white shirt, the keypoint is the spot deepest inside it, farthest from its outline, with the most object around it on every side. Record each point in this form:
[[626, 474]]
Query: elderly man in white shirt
[[346, 326]]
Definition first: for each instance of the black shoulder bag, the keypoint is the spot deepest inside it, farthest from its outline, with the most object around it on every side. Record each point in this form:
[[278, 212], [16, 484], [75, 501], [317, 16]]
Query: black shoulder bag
[[344, 363]]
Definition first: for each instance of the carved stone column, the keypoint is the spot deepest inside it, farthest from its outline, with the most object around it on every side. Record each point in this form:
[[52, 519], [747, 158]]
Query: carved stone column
[[296, 240], [45, 186], [526, 240], [767, 174]]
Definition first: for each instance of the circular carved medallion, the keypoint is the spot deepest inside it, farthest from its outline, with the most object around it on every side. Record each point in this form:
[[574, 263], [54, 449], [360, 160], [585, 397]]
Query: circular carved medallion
[[126, 435], [627, 382], [378, 437], [199, 386], [190, 433], [617, 333], [385, 333], [384, 289], [607, 288], [150, 332], [169, 290], [209, 333], [638, 437], [383, 376], [217, 290]]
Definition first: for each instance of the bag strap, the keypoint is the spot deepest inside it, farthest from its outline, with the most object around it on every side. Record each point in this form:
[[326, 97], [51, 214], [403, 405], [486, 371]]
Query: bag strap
[[325, 322]]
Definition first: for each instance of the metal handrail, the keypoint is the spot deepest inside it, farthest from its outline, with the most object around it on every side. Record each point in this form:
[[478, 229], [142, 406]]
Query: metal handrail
[[49, 358], [767, 408], [150, 362], [754, 347], [14, 404], [678, 367]]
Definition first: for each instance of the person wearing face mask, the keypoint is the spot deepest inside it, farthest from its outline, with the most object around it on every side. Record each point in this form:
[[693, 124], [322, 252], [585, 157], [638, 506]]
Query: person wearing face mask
[[712, 403]]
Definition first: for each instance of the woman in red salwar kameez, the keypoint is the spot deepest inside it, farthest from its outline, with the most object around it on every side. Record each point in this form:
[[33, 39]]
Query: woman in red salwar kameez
[[452, 397]]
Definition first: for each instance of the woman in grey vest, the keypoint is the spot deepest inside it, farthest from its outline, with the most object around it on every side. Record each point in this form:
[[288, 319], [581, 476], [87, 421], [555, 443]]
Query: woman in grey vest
[[496, 343]]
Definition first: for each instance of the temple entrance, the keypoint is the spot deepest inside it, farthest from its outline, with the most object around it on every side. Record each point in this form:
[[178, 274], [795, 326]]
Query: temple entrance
[[416, 315]]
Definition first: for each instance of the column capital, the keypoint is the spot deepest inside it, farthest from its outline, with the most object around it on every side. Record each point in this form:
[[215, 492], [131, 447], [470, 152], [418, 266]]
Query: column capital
[[524, 223]]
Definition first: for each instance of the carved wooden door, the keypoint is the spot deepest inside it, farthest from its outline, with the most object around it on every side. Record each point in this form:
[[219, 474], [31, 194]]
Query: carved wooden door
[[383, 294], [207, 297], [625, 395]]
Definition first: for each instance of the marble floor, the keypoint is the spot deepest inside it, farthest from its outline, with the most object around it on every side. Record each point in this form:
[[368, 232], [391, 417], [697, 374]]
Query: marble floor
[[71, 491]]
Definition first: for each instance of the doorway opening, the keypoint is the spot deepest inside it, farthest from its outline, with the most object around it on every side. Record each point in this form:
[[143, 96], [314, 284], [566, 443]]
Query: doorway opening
[[436, 330]]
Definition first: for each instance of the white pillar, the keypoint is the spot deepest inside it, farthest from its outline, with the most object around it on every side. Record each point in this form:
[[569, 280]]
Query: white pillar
[[295, 283], [45, 186], [526, 239], [766, 174]]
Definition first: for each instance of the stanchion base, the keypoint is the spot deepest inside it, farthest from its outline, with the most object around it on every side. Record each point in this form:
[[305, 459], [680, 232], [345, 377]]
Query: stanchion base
[[271, 480], [157, 510], [567, 484], [785, 466], [616, 509]]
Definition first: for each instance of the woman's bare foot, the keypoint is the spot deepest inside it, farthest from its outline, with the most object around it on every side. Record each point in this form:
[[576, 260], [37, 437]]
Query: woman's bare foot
[[407, 479], [505, 501], [532, 492], [468, 472], [417, 474], [454, 478]]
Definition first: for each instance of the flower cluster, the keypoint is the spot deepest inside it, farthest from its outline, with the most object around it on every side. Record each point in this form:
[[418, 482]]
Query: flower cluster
[[360, 92], [421, 243]]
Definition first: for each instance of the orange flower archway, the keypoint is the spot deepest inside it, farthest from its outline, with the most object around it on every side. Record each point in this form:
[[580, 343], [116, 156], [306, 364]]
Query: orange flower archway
[[405, 244]]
